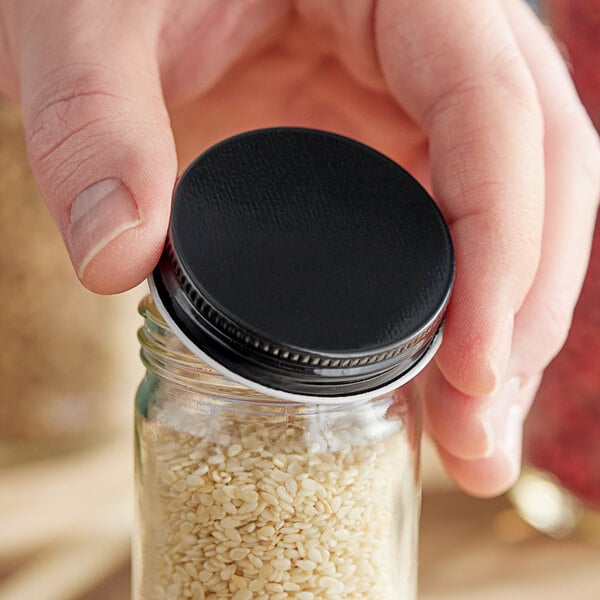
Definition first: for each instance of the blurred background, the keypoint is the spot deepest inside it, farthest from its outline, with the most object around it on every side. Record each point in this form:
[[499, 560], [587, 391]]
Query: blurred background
[[69, 368]]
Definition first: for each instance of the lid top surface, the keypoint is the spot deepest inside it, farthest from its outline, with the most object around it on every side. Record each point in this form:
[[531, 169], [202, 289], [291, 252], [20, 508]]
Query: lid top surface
[[312, 242]]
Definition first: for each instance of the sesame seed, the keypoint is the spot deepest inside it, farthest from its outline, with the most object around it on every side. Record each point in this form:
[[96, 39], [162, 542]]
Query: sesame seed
[[306, 565]]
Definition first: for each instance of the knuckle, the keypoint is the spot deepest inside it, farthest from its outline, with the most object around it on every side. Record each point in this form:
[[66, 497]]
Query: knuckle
[[65, 130], [576, 137], [509, 71], [503, 74], [526, 256], [58, 119], [587, 149], [556, 314]]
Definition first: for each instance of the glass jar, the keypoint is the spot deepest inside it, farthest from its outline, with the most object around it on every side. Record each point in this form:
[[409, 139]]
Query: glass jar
[[303, 284], [244, 496]]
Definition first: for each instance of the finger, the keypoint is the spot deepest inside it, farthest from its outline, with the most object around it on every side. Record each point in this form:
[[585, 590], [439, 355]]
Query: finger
[[485, 477], [543, 320], [496, 472], [573, 189], [474, 96], [98, 134], [466, 426]]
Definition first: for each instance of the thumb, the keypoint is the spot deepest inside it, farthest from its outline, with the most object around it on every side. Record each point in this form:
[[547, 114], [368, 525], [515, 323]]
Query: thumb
[[99, 139]]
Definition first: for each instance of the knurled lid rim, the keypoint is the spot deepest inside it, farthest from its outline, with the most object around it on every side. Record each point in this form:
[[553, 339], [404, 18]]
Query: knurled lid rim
[[252, 340]]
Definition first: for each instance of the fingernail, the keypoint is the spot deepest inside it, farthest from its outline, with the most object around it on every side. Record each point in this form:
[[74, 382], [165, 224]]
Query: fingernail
[[501, 353], [98, 215], [494, 418]]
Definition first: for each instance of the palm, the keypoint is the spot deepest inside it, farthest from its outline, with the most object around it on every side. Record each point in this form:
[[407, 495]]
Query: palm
[[285, 76]]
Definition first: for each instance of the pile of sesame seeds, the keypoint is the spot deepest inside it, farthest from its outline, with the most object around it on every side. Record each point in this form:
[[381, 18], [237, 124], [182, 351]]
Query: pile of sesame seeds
[[270, 510]]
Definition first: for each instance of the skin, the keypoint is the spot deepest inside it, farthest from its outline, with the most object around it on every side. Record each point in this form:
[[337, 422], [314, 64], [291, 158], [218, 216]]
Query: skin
[[472, 97]]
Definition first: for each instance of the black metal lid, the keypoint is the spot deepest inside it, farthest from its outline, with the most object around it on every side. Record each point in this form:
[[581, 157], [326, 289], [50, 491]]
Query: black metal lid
[[305, 264]]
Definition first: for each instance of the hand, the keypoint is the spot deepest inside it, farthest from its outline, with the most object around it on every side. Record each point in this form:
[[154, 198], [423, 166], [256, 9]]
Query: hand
[[472, 97]]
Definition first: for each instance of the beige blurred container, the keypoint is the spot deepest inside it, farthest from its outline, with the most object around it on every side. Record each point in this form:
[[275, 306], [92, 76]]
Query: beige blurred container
[[68, 362]]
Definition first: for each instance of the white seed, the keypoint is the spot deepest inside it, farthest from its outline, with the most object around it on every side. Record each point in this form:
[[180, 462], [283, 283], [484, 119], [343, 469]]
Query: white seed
[[249, 496], [247, 509], [327, 582], [291, 486], [227, 572], [310, 485], [284, 494], [306, 565], [233, 534], [283, 564], [197, 591], [258, 584], [266, 532], [237, 554], [194, 481], [234, 450], [314, 555], [294, 469], [255, 561], [341, 535]]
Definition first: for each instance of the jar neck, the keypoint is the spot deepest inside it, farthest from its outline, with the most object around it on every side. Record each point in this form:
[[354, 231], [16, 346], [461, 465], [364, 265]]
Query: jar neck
[[167, 358], [164, 355]]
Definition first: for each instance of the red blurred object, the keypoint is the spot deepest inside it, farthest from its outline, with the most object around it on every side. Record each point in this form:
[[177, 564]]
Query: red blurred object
[[562, 435], [576, 23]]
